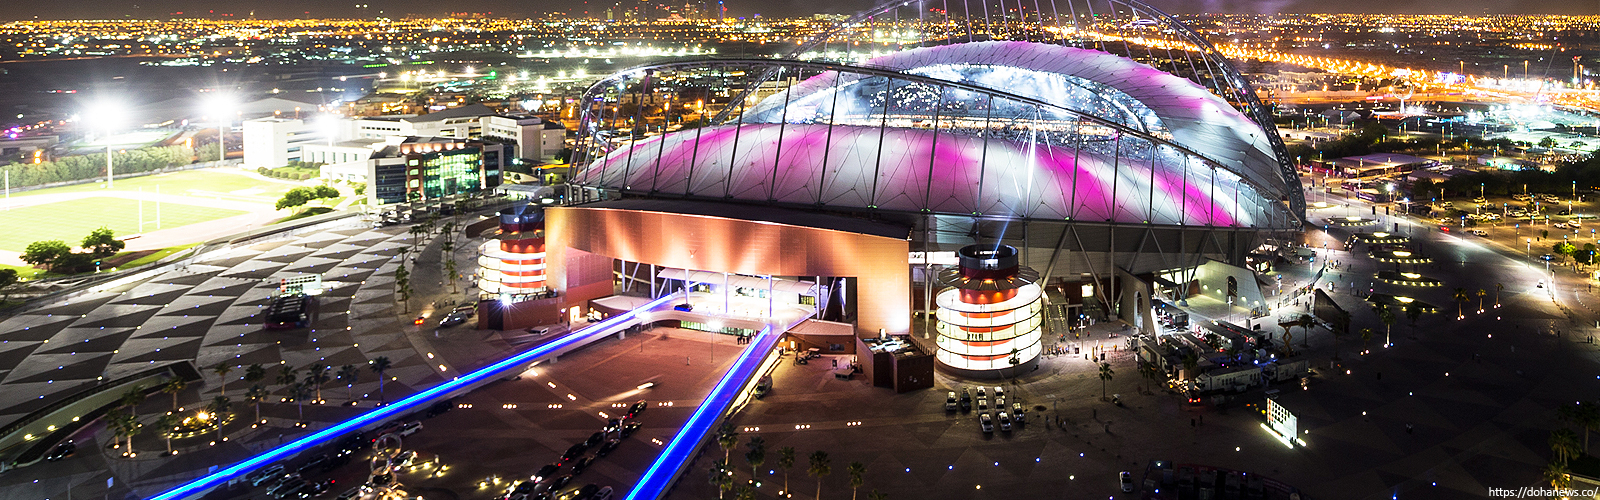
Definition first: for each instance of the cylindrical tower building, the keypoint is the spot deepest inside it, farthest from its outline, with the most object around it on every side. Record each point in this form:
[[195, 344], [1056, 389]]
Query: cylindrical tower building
[[990, 316], [512, 263]]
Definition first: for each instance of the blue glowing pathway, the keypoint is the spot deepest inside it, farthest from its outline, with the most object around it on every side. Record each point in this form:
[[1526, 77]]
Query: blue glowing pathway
[[515, 363], [687, 442]]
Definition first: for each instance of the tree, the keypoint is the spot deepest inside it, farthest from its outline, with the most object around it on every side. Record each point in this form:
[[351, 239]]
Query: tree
[[1558, 474], [877, 495], [316, 375], [324, 191], [293, 198], [254, 395], [102, 243], [785, 462], [1461, 298], [1105, 376], [721, 477], [220, 408], [402, 282], [299, 392], [8, 277], [173, 387], [222, 370], [46, 253], [168, 424], [1586, 417], [360, 188], [1565, 249], [1366, 336], [757, 454], [379, 365], [1497, 288], [819, 467], [349, 374], [1386, 315], [727, 438], [286, 376], [856, 470], [1191, 362], [1413, 313], [1563, 445], [254, 373], [1548, 142], [1481, 294]]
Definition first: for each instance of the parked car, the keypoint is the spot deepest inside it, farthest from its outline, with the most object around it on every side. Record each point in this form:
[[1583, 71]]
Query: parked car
[[313, 488], [595, 439], [612, 425], [315, 464], [1479, 200], [574, 452], [985, 423], [551, 469], [263, 476], [558, 482], [1447, 204], [605, 449], [352, 493], [1018, 412], [579, 465], [1005, 422], [950, 403], [1479, 232], [637, 408], [1127, 481], [603, 494], [983, 404], [628, 429]]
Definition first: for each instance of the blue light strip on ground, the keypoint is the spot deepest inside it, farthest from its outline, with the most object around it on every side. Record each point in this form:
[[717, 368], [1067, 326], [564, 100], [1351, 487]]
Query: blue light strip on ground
[[516, 362], [658, 477]]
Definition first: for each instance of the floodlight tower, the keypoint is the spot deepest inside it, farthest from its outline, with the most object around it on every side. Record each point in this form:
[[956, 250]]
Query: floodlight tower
[[221, 105], [110, 114]]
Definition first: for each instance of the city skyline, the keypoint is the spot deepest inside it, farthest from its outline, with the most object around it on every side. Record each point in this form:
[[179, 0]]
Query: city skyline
[[305, 9]]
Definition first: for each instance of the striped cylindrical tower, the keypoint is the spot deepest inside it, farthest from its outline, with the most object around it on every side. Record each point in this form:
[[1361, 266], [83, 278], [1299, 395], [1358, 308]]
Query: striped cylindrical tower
[[513, 261], [990, 316]]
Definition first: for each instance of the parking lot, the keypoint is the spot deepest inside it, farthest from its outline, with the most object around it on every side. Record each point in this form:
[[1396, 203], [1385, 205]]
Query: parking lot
[[506, 432]]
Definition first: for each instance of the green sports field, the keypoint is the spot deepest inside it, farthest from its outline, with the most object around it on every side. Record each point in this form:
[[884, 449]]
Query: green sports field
[[70, 221], [197, 183]]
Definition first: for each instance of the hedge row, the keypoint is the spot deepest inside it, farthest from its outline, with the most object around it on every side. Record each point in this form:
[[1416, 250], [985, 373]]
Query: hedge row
[[74, 168]]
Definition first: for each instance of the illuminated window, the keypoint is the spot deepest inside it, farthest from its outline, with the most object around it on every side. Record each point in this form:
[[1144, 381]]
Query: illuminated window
[[1088, 290]]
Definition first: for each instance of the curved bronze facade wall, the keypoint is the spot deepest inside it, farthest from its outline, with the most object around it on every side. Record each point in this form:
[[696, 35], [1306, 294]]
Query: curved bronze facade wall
[[720, 244]]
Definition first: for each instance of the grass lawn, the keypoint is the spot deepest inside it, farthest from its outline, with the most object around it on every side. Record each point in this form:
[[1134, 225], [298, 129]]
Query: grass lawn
[[158, 255], [70, 221], [197, 183]]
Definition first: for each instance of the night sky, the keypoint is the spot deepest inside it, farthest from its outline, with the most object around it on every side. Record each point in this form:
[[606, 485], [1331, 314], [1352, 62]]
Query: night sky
[[104, 9]]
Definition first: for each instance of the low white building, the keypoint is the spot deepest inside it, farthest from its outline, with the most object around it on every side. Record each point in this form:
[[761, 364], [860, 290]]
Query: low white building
[[274, 142], [531, 138]]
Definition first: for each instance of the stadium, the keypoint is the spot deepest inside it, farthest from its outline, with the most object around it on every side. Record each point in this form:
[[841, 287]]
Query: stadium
[[841, 190]]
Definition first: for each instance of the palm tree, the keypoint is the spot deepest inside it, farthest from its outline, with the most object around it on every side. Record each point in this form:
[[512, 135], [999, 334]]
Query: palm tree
[[316, 375], [856, 470], [1387, 317], [1564, 445], [877, 495], [379, 365], [1558, 474], [720, 477], [1587, 417], [132, 399], [173, 387], [114, 420], [1413, 313], [1191, 362], [785, 462], [744, 492], [727, 438], [254, 395], [299, 393], [1306, 323], [1461, 297], [1481, 293], [286, 376], [1105, 375], [819, 467], [220, 407], [1366, 336], [349, 374], [168, 424], [1497, 288], [222, 369], [254, 373], [757, 454]]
